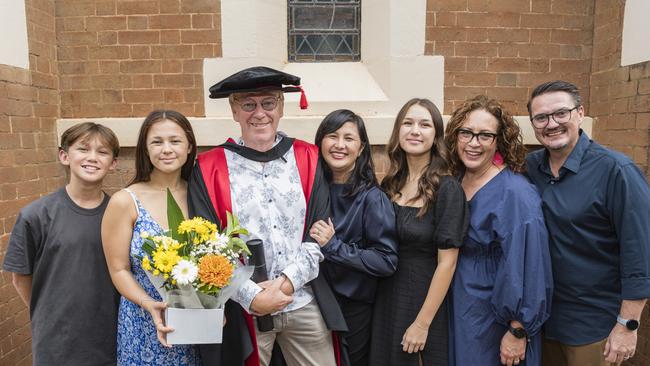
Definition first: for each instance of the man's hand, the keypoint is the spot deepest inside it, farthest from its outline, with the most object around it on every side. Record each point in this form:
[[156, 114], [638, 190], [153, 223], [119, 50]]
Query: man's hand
[[271, 299], [621, 344]]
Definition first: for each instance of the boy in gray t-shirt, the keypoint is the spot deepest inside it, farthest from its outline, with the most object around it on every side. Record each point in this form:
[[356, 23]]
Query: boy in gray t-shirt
[[57, 262]]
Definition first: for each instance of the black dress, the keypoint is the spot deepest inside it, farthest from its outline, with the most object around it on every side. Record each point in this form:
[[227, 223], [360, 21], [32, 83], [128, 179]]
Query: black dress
[[400, 297]]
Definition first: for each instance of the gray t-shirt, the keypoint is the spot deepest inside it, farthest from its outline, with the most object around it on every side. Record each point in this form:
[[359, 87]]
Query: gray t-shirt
[[73, 305]]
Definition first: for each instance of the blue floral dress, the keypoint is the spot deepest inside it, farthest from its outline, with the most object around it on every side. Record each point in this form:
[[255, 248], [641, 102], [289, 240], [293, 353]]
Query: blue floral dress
[[137, 344]]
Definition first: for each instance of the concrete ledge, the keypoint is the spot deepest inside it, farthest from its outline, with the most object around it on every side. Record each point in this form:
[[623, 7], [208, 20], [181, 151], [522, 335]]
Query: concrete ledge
[[211, 131]]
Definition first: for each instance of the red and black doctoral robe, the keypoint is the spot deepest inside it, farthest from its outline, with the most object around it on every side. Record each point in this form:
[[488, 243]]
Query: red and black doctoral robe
[[209, 197]]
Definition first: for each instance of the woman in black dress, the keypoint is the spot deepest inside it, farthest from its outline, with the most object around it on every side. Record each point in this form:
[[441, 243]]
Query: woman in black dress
[[410, 315], [363, 246]]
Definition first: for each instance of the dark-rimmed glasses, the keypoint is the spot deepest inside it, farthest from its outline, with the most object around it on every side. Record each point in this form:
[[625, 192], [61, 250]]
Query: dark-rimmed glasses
[[249, 105], [484, 138], [561, 116]]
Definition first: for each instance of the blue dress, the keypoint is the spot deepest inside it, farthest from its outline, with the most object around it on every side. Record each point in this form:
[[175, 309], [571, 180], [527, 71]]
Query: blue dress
[[503, 273], [137, 344]]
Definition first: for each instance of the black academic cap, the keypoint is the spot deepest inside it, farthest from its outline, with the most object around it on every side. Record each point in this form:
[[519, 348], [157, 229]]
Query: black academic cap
[[255, 79]]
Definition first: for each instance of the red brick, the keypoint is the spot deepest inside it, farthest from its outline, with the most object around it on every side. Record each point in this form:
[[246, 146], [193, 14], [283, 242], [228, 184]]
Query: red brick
[[193, 66], [77, 8], [72, 23], [644, 86], [143, 96], [170, 37], [72, 53], [199, 6], [170, 21], [137, 22], [105, 23], [112, 96], [488, 20], [199, 36], [202, 21], [172, 67], [129, 7], [108, 53], [105, 7], [107, 38], [140, 52], [173, 96], [477, 64], [455, 63], [577, 66], [576, 7], [171, 51], [508, 64], [476, 49], [442, 34], [173, 81], [474, 79], [508, 35], [143, 81], [565, 36], [138, 37], [77, 38], [204, 51], [109, 67], [551, 21], [170, 6], [140, 67]]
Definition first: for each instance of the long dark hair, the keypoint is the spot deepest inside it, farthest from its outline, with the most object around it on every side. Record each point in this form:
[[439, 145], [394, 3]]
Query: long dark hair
[[143, 165], [363, 174], [398, 170]]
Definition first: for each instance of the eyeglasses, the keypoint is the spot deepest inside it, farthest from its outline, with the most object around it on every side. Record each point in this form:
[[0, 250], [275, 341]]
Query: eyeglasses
[[484, 138], [560, 116], [268, 104]]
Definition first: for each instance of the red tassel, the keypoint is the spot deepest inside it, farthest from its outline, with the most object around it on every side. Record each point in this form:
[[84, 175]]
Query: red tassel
[[303, 99]]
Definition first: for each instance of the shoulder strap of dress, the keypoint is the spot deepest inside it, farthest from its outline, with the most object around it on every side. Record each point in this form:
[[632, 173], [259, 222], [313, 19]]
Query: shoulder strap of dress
[[135, 200]]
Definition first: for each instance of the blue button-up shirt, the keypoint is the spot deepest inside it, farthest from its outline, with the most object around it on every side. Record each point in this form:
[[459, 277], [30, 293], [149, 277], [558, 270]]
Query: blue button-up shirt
[[598, 216]]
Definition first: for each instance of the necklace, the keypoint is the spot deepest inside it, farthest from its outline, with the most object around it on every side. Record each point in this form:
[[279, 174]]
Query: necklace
[[478, 178]]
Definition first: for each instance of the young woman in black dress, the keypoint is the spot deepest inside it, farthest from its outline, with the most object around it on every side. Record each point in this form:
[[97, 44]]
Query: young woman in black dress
[[359, 241], [410, 316]]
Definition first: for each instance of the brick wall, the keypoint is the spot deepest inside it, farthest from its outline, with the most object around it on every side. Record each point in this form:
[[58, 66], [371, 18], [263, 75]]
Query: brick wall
[[123, 58], [620, 100], [504, 48], [29, 103]]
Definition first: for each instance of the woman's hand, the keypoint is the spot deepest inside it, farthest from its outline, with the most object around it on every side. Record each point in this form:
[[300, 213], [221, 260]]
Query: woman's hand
[[322, 231], [513, 349], [156, 309], [414, 338]]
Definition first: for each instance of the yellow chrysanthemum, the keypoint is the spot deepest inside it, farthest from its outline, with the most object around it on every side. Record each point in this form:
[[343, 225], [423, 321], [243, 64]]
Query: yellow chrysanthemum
[[201, 228], [146, 264], [165, 260], [215, 270]]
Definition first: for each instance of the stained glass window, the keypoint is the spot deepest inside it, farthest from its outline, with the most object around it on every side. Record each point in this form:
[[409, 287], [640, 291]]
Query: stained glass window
[[324, 30]]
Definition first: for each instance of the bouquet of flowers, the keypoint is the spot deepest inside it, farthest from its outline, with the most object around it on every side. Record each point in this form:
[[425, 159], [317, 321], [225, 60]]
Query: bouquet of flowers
[[194, 266]]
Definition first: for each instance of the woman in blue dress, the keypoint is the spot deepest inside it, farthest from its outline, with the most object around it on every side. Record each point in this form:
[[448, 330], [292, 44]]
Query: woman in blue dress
[[164, 157], [359, 241], [501, 294], [410, 315]]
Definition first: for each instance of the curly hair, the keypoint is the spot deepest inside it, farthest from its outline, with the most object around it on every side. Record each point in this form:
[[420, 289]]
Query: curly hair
[[509, 139], [398, 170]]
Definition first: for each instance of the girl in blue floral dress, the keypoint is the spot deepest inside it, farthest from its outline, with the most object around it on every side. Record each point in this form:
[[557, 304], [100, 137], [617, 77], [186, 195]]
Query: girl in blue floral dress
[[164, 157]]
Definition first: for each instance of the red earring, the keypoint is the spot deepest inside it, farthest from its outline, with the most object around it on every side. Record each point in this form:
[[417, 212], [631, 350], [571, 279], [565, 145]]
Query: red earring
[[497, 159]]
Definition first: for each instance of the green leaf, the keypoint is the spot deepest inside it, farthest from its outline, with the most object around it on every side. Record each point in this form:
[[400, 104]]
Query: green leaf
[[147, 247], [241, 245], [174, 215]]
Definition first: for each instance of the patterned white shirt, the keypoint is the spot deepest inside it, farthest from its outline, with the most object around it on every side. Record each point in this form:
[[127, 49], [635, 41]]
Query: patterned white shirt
[[269, 202]]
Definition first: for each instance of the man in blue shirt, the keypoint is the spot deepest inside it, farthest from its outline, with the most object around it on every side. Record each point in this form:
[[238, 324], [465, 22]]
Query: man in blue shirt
[[597, 208]]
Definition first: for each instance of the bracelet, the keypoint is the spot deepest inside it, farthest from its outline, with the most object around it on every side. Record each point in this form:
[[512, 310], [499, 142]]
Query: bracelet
[[419, 326]]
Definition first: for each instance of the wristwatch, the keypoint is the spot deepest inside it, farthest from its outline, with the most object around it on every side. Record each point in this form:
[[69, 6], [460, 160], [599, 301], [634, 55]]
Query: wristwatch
[[630, 324], [518, 332]]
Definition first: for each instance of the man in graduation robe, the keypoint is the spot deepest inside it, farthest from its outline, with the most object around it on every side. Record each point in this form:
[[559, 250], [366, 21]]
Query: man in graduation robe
[[274, 185]]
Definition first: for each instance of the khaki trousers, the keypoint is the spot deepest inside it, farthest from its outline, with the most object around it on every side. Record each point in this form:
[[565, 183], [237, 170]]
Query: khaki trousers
[[555, 353], [302, 336]]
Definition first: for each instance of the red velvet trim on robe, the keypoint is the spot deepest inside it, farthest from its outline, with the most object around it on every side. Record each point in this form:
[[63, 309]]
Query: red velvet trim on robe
[[214, 168]]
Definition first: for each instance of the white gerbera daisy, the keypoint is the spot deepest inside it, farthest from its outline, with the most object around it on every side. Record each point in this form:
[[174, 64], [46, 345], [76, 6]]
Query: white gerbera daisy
[[184, 272]]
